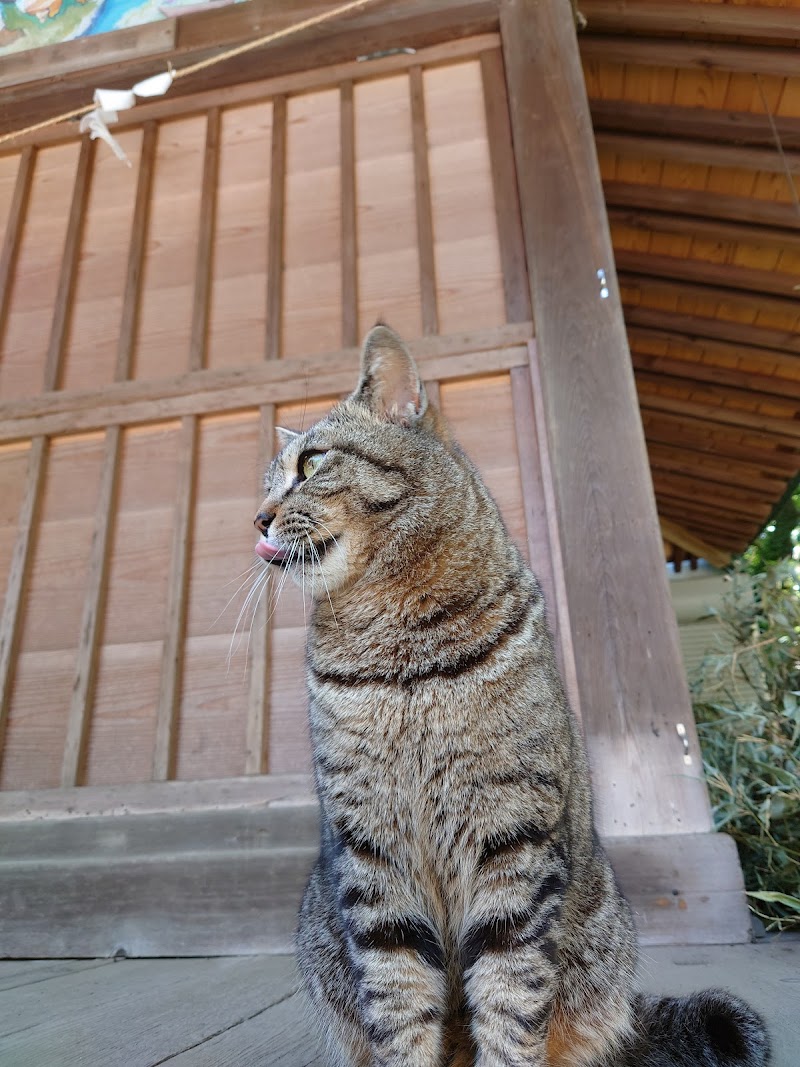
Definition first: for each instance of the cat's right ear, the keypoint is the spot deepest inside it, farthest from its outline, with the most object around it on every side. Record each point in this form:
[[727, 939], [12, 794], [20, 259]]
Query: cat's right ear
[[390, 384], [285, 437]]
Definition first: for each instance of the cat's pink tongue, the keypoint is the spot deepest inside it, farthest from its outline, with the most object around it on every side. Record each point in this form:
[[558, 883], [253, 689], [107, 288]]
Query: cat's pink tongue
[[268, 552]]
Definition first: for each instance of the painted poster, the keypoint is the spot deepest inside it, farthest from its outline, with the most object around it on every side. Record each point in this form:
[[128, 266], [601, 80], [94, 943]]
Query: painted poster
[[30, 23]]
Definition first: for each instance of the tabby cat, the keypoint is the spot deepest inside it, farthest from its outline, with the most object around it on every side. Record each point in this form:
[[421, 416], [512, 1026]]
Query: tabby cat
[[462, 910]]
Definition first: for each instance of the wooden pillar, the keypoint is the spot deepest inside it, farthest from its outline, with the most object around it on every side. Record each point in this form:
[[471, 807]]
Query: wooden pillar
[[630, 677]]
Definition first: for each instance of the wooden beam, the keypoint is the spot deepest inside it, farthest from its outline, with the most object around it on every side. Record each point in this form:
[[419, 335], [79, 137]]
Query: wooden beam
[[280, 381], [416, 23], [687, 461], [504, 185], [785, 431], [18, 575], [349, 242], [630, 675], [690, 55], [710, 494], [277, 207], [763, 386], [726, 531], [62, 307], [631, 16], [717, 439], [695, 123], [678, 535], [707, 229], [422, 183], [702, 153], [732, 396], [14, 229], [688, 269], [700, 327], [773, 214], [139, 230]]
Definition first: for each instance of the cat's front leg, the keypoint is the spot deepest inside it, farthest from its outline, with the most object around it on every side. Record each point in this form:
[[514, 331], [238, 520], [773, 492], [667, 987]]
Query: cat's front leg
[[509, 951], [398, 959]]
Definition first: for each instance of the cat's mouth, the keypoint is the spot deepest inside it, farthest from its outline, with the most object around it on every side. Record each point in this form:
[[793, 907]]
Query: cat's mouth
[[283, 557]]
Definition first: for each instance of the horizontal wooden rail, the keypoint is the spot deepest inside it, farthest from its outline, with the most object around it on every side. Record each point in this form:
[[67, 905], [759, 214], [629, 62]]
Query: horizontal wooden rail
[[690, 55], [274, 382], [699, 152]]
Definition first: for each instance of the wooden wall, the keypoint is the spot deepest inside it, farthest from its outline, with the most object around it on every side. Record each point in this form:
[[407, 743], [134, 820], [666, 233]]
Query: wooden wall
[[159, 320]]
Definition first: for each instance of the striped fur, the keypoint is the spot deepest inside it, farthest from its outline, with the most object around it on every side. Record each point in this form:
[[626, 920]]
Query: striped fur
[[462, 910]]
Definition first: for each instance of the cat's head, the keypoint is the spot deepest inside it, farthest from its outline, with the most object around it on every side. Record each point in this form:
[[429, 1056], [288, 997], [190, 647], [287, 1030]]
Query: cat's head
[[362, 487]]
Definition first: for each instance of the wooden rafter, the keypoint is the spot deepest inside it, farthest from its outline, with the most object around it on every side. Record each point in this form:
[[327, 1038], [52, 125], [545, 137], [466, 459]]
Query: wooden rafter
[[690, 55], [677, 16], [702, 153], [709, 229], [677, 534]]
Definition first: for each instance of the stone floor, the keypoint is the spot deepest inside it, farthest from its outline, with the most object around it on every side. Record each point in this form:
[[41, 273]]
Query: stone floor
[[247, 1011]]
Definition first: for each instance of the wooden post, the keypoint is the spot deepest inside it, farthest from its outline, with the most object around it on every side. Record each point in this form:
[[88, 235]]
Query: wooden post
[[630, 677]]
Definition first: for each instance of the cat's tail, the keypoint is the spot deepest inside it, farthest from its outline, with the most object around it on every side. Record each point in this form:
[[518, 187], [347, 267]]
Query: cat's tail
[[709, 1029]]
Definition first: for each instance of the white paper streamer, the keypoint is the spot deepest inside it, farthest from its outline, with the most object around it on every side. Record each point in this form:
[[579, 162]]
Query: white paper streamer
[[95, 123], [110, 101]]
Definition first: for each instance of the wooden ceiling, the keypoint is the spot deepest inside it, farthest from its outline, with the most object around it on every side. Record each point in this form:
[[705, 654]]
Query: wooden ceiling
[[689, 101], [686, 99]]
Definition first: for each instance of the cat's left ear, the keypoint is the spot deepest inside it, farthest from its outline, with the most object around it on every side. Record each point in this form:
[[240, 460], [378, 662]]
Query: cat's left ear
[[285, 436], [390, 384]]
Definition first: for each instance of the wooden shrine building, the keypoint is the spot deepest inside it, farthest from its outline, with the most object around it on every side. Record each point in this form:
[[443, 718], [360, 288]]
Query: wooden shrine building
[[591, 242]]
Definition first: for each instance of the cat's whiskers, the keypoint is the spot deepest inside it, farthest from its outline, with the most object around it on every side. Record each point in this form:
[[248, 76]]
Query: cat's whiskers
[[258, 581], [255, 566], [321, 571]]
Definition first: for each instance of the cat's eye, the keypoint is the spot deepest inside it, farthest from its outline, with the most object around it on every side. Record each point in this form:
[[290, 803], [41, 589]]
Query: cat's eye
[[309, 461]]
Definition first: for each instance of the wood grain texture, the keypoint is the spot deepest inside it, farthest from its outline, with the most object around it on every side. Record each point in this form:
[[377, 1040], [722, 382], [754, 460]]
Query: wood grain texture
[[275, 381], [690, 55], [708, 206], [83, 688], [628, 662], [506, 195], [677, 150], [422, 181], [629, 16], [14, 227], [277, 204], [677, 534], [349, 242], [708, 229], [258, 706], [205, 244], [751, 280], [141, 213], [172, 664], [69, 265], [19, 571]]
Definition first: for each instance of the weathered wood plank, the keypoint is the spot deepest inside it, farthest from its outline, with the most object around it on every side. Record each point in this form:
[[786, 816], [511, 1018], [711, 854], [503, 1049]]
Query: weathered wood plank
[[133, 280], [169, 692], [62, 307], [630, 16], [708, 229], [205, 244], [703, 153], [277, 205], [141, 1012], [751, 280], [83, 686], [422, 180], [258, 706], [14, 228], [18, 574], [690, 55], [14, 974], [347, 154], [629, 670], [276, 381], [506, 195]]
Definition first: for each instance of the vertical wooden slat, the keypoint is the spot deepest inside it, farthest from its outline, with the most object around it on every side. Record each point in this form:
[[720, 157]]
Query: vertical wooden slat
[[506, 194], [629, 670], [11, 619], [348, 193], [133, 280], [169, 695], [434, 393], [83, 685], [257, 735], [422, 181], [86, 664], [62, 309], [205, 249], [14, 228], [169, 691], [544, 543], [277, 192]]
